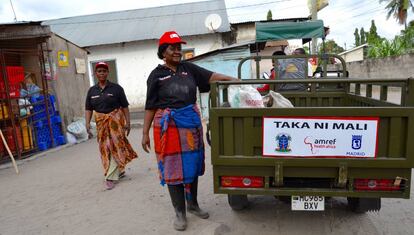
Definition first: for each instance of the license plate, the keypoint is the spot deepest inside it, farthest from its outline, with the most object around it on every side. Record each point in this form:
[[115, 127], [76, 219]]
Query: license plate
[[308, 203]]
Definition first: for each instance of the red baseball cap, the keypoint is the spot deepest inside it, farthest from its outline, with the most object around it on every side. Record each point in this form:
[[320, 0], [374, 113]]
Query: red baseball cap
[[170, 37], [101, 64]]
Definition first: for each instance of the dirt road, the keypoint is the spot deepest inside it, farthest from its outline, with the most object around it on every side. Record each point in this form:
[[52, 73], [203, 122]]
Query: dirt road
[[62, 193]]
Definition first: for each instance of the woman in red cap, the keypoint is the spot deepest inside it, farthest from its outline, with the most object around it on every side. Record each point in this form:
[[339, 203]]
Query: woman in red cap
[[177, 129], [110, 104]]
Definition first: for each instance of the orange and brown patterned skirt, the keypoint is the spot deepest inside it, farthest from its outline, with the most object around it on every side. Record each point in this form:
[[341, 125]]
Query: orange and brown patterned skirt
[[112, 139]]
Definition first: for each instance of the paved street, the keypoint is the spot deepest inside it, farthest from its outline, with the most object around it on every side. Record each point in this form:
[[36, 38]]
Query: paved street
[[62, 193]]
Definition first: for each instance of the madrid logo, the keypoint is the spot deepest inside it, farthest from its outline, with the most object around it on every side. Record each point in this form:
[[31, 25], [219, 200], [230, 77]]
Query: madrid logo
[[283, 142], [356, 142]]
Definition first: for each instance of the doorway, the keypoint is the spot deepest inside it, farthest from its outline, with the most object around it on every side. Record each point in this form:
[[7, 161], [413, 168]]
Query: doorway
[[113, 73]]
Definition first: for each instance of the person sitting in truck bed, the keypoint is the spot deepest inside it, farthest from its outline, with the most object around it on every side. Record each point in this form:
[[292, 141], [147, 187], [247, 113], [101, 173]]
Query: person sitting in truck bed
[[294, 68], [265, 87]]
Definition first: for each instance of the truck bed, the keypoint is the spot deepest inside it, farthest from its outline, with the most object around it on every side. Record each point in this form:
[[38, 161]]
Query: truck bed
[[236, 140]]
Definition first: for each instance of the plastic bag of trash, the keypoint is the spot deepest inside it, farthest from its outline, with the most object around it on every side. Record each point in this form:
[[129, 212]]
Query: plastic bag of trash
[[276, 100], [250, 97], [78, 129], [233, 94], [243, 96], [71, 138]]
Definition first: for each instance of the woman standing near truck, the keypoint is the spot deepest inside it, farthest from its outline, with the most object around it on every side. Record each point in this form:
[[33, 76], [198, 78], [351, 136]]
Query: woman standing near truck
[[177, 129]]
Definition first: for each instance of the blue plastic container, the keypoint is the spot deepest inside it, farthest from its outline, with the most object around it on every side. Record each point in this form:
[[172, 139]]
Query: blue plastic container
[[42, 146], [40, 108], [60, 140]]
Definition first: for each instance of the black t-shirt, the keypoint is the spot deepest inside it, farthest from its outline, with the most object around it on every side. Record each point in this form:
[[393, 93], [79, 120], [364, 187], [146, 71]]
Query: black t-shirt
[[169, 89], [106, 100]]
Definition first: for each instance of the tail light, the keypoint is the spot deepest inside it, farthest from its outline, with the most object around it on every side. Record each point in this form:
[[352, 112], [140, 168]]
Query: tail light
[[242, 181], [376, 185]]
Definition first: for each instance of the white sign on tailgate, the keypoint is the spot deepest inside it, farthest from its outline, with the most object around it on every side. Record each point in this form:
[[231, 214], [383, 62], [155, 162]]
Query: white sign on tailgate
[[320, 137]]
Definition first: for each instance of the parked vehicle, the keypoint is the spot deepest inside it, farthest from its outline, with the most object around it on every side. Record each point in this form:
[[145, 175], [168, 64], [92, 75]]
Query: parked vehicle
[[336, 142]]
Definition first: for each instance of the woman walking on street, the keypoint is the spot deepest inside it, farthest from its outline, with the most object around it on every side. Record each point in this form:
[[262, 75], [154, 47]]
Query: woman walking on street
[[109, 102], [177, 129]]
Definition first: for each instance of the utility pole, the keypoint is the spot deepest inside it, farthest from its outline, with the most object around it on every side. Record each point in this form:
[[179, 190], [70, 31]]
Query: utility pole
[[314, 14]]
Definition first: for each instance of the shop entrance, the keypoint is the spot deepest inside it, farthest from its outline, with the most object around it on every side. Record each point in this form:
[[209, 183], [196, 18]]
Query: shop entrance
[[113, 73]]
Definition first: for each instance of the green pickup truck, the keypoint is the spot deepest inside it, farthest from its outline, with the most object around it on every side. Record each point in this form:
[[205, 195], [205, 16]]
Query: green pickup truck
[[343, 138]]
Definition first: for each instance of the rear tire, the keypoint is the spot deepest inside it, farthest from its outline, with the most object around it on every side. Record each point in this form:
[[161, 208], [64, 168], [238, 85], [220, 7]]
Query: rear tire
[[238, 202], [362, 205]]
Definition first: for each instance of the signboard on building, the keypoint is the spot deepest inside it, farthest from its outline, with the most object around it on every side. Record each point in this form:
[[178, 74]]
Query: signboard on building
[[80, 65], [320, 137], [63, 58]]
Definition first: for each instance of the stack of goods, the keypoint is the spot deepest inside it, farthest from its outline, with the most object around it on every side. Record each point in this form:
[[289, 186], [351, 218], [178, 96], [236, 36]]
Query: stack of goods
[[41, 125], [9, 136], [15, 75]]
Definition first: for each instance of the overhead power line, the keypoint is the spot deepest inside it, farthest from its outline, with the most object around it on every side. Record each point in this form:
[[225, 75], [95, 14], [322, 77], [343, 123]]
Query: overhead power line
[[15, 18], [173, 14]]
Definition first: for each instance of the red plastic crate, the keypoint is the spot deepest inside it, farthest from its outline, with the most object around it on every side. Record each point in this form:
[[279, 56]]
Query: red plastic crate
[[15, 74], [14, 91], [8, 135]]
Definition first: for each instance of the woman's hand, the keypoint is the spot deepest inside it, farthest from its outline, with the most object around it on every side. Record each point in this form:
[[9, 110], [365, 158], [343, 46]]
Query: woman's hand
[[127, 128], [146, 145], [88, 129]]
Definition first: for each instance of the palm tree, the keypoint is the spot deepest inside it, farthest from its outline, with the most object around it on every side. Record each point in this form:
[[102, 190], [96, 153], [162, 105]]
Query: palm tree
[[398, 8]]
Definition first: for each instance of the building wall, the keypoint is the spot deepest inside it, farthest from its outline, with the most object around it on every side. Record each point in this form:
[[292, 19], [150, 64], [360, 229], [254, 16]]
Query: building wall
[[70, 87], [391, 67], [136, 60], [245, 32], [356, 55]]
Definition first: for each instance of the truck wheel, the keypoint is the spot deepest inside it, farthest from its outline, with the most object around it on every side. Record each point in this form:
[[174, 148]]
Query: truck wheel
[[238, 202], [362, 205]]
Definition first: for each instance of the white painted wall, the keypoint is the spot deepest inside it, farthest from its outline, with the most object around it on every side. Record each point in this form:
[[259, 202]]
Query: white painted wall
[[354, 55], [136, 60], [245, 32]]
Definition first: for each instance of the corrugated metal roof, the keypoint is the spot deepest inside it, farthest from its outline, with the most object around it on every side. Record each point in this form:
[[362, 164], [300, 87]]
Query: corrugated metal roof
[[23, 30], [140, 24], [275, 20]]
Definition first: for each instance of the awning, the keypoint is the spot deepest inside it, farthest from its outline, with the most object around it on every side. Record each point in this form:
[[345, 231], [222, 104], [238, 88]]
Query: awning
[[289, 30]]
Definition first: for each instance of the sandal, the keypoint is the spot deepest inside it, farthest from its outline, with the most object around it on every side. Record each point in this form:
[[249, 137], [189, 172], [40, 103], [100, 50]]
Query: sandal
[[109, 184]]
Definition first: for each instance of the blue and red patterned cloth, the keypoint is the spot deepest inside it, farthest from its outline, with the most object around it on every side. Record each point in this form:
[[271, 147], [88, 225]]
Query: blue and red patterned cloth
[[179, 146]]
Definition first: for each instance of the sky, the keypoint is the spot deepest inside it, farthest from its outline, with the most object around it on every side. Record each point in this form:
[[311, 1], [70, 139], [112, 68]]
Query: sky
[[341, 16]]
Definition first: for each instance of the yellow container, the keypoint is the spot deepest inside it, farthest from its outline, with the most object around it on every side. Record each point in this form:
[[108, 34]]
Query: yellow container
[[27, 135], [4, 112]]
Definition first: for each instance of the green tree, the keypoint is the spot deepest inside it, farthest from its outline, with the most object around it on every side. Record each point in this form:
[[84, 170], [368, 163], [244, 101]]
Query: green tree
[[401, 44], [372, 34], [307, 49], [357, 39], [407, 38], [269, 15], [398, 9], [362, 36], [331, 47]]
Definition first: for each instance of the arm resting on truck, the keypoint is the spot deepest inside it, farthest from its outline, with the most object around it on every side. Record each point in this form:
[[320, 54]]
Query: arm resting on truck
[[221, 77]]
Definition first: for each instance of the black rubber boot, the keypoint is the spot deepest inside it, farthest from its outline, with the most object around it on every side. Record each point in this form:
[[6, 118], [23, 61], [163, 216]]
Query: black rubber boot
[[178, 201], [192, 203]]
